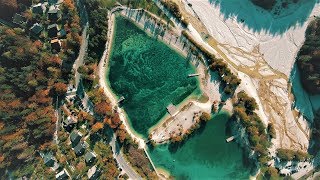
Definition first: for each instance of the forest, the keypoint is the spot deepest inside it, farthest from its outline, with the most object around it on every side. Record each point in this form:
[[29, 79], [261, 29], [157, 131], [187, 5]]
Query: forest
[[31, 82], [28, 80], [259, 140], [308, 59]]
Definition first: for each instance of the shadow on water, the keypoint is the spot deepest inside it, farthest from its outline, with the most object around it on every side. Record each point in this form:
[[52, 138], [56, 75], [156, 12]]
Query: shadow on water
[[173, 147], [276, 21]]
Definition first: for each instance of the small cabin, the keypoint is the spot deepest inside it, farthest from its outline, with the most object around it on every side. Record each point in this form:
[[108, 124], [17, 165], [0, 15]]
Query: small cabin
[[79, 149], [62, 175], [36, 28], [55, 45], [53, 30], [39, 8]]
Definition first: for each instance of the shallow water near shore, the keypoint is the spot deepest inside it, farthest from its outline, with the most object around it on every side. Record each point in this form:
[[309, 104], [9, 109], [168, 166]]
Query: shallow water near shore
[[148, 74], [307, 104], [205, 155]]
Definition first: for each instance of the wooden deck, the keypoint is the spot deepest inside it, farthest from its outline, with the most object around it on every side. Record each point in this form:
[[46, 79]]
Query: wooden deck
[[171, 109]]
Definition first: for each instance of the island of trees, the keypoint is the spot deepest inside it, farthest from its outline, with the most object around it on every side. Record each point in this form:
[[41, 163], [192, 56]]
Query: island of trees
[[309, 58]]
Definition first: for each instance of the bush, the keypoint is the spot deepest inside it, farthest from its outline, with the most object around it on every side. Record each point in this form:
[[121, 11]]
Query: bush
[[271, 173], [272, 131], [205, 117], [285, 154]]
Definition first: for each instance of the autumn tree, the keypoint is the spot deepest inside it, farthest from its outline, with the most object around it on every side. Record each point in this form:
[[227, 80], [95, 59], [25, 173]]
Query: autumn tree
[[103, 108], [205, 116], [96, 127], [121, 133], [60, 88], [8, 8]]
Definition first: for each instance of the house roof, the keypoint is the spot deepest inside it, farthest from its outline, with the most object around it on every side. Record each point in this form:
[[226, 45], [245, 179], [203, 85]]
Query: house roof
[[56, 40], [39, 8], [52, 1], [48, 159], [53, 26], [53, 11], [62, 175], [69, 121], [75, 136], [36, 28], [18, 19], [62, 33], [93, 173], [89, 157], [79, 149]]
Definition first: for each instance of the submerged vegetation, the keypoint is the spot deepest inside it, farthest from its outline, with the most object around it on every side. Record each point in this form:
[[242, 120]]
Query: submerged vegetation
[[265, 4], [145, 83], [309, 58]]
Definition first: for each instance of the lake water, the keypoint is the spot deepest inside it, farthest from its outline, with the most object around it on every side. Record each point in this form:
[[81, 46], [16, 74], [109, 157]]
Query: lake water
[[148, 74], [205, 155], [304, 102]]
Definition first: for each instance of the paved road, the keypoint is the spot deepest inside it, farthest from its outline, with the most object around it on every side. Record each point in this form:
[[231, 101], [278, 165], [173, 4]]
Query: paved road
[[80, 60], [123, 163]]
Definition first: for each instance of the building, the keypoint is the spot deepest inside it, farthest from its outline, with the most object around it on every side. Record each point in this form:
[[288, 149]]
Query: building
[[54, 13], [36, 28], [68, 123], [90, 157], [48, 160], [19, 20], [52, 1], [79, 149], [75, 137], [62, 33], [39, 8], [62, 175], [55, 45], [93, 173], [53, 30]]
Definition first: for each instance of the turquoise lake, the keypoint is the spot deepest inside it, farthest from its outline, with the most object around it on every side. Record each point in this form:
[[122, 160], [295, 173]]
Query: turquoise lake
[[206, 155], [148, 74]]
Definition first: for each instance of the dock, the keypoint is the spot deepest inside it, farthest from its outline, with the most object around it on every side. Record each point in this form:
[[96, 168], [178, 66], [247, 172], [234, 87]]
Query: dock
[[230, 139], [121, 99], [193, 75], [171, 109]]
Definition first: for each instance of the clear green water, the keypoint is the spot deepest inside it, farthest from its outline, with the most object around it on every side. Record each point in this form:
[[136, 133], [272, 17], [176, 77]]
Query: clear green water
[[206, 155], [148, 74]]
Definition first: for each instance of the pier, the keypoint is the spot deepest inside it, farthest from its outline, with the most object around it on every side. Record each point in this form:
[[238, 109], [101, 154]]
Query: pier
[[230, 139], [193, 75], [171, 109], [121, 99]]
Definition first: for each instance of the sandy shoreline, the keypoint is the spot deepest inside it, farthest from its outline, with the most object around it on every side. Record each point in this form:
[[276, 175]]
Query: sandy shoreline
[[208, 86], [103, 69]]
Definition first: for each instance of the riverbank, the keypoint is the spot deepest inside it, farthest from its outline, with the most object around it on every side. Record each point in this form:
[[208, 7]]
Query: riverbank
[[262, 58]]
